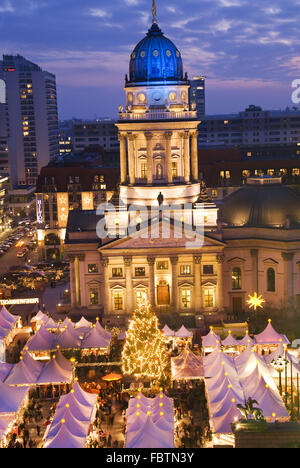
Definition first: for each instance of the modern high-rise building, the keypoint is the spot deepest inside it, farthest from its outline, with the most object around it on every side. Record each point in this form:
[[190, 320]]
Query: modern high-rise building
[[197, 95], [32, 120], [4, 165]]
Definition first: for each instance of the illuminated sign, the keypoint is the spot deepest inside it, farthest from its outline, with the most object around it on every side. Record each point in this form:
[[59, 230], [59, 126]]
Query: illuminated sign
[[40, 211], [87, 200], [62, 209], [8, 302]]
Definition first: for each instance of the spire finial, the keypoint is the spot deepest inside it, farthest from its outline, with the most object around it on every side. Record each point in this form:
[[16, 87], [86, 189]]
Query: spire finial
[[154, 12]]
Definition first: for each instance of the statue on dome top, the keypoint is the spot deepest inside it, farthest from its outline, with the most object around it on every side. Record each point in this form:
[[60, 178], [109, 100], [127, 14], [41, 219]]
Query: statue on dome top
[[154, 11]]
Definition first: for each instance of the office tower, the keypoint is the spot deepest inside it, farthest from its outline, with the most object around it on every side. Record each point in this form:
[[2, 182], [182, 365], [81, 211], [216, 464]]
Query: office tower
[[197, 95], [31, 106]]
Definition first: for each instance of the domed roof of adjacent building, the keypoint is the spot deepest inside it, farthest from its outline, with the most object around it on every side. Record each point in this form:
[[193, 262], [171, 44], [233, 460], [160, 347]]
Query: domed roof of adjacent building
[[264, 203], [155, 58]]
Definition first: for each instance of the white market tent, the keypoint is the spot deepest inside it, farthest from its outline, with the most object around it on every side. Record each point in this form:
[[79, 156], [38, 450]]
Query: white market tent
[[270, 336], [150, 435], [29, 372], [83, 323], [150, 422], [230, 341], [211, 340], [26, 372], [187, 366], [168, 332], [65, 439], [5, 370], [68, 339], [246, 341], [56, 371], [6, 423], [183, 333], [12, 398], [95, 339], [43, 340], [73, 417], [8, 325]]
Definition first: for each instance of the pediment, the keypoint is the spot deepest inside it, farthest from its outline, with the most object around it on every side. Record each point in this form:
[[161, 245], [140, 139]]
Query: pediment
[[162, 235], [117, 287], [270, 261], [236, 260]]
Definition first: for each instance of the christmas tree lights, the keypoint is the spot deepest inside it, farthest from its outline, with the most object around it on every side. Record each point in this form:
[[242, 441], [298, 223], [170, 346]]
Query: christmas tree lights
[[145, 353]]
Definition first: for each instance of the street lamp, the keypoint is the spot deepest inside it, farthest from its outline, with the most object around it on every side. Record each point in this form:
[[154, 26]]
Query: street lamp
[[279, 365]]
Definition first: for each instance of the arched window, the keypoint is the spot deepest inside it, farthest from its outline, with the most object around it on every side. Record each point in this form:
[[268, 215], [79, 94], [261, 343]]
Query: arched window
[[236, 278], [271, 280]]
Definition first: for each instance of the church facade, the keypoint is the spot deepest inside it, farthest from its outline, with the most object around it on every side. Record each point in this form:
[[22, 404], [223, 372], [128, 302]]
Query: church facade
[[249, 244]]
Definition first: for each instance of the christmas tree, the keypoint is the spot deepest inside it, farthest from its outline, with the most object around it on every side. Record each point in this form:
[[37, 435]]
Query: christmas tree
[[145, 353]]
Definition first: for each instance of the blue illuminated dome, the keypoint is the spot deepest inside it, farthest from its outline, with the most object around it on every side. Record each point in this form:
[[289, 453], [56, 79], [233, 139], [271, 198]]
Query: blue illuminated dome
[[155, 59]]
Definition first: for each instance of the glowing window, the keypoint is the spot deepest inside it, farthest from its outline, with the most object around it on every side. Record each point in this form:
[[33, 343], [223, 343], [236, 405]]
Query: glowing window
[[186, 296], [209, 298]]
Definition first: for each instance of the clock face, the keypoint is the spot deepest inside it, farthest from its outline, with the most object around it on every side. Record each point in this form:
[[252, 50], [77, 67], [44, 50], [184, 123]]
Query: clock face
[[169, 53], [172, 96], [143, 54], [155, 53], [142, 97]]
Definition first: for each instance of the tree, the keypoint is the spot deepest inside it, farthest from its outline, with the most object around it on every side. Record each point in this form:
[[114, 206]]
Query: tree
[[145, 353]]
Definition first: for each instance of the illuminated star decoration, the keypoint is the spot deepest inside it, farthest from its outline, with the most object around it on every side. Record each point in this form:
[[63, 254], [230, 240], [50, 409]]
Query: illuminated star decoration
[[256, 302]]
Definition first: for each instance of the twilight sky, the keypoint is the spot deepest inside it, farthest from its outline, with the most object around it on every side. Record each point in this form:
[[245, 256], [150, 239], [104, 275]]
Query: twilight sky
[[247, 49]]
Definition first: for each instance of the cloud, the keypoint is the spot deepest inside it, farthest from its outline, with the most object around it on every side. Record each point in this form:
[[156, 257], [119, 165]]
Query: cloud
[[99, 13], [6, 7]]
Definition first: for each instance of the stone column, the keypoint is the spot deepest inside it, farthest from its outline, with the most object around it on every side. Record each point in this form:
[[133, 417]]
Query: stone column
[[77, 282], [220, 298], [151, 263], [72, 280], [131, 159], [195, 168], [187, 168], [129, 286], [288, 258], [174, 262], [197, 285], [105, 286], [123, 163], [254, 256], [149, 138], [168, 137], [82, 285]]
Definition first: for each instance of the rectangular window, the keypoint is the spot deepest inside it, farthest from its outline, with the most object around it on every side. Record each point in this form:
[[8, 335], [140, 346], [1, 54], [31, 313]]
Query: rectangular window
[[93, 268], [144, 170], [118, 301], [208, 298], [117, 272], [139, 295], [186, 298], [185, 270], [174, 169], [94, 296], [140, 272], [208, 269], [162, 265]]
